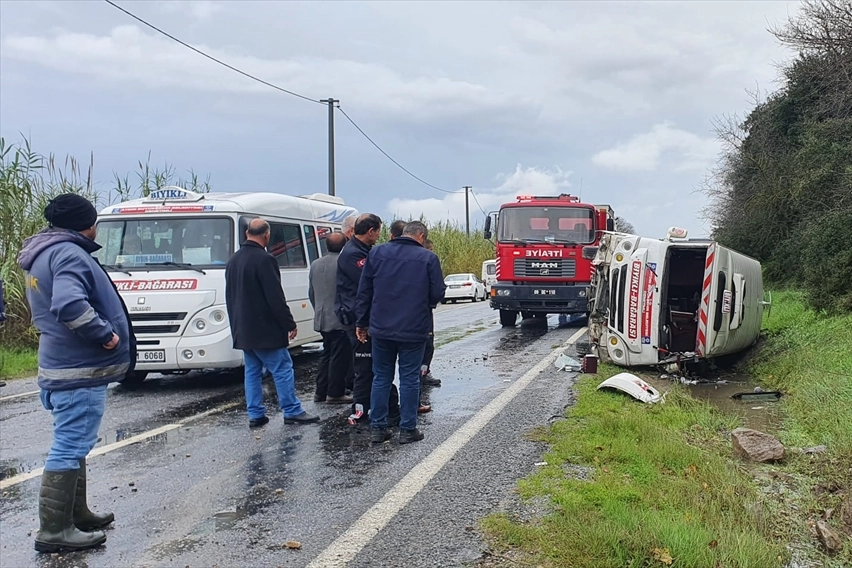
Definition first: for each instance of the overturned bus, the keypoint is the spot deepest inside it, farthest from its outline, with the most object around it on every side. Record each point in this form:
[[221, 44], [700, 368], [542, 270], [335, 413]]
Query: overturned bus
[[657, 301]]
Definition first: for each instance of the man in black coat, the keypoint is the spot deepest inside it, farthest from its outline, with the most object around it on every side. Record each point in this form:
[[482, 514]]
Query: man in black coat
[[262, 326]]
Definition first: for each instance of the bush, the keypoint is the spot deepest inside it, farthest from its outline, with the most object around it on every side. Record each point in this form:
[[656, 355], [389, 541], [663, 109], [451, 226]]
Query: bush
[[826, 253], [28, 180]]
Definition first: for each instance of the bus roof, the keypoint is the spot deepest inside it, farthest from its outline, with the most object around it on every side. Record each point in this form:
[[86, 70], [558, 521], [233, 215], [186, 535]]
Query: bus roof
[[315, 207]]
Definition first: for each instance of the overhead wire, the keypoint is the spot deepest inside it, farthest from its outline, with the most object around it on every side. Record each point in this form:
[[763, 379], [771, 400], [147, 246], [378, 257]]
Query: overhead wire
[[210, 57], [477, 203], [276, 87], [400, 166]]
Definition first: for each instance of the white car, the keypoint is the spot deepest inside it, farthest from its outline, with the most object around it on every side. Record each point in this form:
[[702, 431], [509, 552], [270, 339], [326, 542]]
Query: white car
[[463, 287]]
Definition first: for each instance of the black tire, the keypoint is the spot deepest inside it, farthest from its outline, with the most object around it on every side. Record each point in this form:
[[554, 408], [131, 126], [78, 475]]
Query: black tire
[[443, 301], [508, 318], [453, 301], [134, 380]]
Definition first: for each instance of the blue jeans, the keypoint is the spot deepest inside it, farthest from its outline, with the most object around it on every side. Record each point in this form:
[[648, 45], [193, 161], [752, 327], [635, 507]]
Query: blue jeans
[[385, 353], [279, 363], [77, 415]]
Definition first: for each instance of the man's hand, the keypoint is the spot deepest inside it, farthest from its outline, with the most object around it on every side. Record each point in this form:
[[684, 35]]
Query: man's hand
[[362, 334], [292, 335], [112, 342]]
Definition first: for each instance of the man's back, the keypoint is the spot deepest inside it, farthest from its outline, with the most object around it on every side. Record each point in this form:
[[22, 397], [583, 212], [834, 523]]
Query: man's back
[[258, 312], [322, 291], [405, 281]]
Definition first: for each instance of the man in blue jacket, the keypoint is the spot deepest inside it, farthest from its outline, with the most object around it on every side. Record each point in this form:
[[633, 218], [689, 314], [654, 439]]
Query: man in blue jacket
[[400, 284], [86, 342], [350, 265]]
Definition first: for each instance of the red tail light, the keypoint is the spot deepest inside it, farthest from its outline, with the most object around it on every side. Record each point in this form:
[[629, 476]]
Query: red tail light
[[467, 284]]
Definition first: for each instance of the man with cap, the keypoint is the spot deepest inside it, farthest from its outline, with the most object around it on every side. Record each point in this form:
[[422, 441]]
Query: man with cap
[[85, 343]]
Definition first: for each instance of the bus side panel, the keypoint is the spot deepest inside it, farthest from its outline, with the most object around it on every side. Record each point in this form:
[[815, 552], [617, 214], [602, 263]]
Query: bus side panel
[[735, 335]]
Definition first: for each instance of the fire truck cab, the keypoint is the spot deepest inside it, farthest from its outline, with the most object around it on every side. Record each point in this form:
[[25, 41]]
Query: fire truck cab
[[540, 266]]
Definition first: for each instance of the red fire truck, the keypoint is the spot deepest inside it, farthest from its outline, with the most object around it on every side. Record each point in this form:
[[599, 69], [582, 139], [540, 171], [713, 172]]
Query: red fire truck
[[540, 265]]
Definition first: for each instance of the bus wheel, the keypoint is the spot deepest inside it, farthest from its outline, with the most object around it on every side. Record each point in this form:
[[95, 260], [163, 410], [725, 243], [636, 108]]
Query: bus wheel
[[134, 380], [508, 318]]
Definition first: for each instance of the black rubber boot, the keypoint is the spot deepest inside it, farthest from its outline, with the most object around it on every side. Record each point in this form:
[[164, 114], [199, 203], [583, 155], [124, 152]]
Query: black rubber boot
[[84, 519], [57, 532]]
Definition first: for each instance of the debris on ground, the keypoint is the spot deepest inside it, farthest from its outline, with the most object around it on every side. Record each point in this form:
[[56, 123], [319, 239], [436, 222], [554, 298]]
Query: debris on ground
[[293, 545], [756, 445], [566, 363], [632, 385]]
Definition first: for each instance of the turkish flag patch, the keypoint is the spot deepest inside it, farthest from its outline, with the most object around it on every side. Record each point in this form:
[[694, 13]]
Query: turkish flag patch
[[362, 262]]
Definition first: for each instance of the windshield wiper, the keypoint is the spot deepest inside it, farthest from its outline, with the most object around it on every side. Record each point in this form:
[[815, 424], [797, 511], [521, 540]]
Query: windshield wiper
[[185, 265], [514, 241], [117, 268], [562, 241]]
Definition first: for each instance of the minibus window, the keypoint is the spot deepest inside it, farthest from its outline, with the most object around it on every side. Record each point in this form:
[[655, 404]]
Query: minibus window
[[286, 245], [311, 240]]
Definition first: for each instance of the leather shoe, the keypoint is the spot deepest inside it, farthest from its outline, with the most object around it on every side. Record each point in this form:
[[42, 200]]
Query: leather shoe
[[380, 435], [338, 399], [429, 381], [303, 418], [424, 408], [408, 436], [258, 422]]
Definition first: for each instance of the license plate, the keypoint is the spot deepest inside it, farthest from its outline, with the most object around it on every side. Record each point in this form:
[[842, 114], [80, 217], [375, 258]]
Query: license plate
[[549, 292], [156, 356], [451, 286]]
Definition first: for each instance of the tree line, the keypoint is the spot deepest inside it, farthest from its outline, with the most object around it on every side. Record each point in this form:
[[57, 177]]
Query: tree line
[[782, 189]]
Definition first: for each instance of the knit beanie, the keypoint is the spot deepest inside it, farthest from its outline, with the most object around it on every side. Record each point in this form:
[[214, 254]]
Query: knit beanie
[[70, 211]]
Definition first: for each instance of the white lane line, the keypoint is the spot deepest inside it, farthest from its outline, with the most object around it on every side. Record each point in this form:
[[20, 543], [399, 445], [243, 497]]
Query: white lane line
[[20, 395], [344, 549], [21, 477]]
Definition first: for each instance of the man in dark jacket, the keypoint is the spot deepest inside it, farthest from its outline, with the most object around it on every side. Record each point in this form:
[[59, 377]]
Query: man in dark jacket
[[336, 362], [401, 282], [350, 264], [262, 326], [85, 343]]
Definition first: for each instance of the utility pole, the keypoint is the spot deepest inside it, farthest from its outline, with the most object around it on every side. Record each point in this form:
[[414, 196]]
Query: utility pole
[[330, 102], [467, 189]]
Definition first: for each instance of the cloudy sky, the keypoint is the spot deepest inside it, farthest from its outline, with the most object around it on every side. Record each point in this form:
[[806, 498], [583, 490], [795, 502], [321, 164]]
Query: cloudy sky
[[611, 101]]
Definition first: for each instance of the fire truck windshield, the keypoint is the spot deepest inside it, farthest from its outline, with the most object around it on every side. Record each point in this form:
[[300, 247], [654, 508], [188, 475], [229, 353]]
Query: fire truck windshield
[[547, 224]]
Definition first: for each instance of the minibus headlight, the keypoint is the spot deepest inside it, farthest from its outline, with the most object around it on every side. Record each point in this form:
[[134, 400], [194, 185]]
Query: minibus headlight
[[218, 316], [200, 324]]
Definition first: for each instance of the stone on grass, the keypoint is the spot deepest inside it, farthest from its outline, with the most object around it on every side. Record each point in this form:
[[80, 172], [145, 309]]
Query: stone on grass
[[828, 537], [757, 446]]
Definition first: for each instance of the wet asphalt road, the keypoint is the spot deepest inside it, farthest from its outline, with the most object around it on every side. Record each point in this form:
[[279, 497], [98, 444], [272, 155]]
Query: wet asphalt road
[[207, 491]]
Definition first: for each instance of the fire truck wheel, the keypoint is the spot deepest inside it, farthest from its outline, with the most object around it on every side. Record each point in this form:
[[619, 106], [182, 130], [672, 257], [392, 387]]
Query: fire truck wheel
[[508, 318]]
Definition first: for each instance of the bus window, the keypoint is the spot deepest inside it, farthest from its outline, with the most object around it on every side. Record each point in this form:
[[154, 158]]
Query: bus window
[[311, 239], [285, 244], [323, 233]]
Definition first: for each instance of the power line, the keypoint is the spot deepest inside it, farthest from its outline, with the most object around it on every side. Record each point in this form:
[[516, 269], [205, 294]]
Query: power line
[[210, 57], [477, 203], [276, 87], [400, 166]]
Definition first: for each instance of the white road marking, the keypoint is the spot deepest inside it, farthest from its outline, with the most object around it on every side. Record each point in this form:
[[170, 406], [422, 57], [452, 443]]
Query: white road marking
[[20, 395], [344, 549], [21, 477]]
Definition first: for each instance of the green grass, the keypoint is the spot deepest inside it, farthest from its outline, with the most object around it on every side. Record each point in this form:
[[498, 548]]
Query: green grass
[[809, 356], [663, 480], [661, 483], [17, 363]]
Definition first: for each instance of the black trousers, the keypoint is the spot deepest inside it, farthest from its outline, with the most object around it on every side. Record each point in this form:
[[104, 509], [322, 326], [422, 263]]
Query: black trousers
[[430, 347], [362, 388], [335, 365]]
